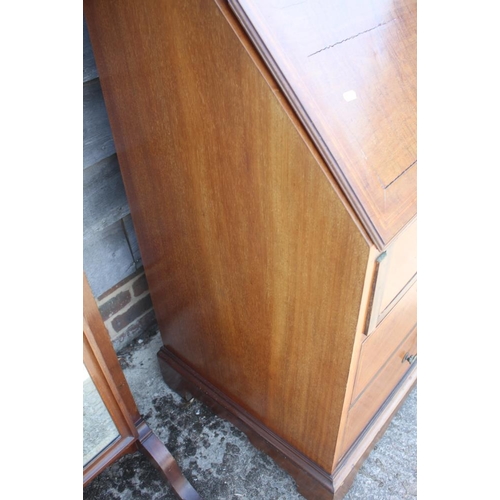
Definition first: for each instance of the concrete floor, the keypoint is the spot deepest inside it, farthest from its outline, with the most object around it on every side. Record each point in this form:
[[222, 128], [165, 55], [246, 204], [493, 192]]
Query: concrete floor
[[218, 459]]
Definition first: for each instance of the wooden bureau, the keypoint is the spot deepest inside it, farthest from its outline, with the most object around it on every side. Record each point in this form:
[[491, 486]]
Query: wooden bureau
[[268, 151]]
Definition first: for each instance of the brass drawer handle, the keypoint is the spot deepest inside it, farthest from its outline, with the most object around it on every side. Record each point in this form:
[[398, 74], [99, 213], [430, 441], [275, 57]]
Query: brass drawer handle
[[411, 358]]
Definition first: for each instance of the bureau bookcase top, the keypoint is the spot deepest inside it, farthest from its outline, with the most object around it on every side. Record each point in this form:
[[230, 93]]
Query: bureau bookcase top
[[349, 70]]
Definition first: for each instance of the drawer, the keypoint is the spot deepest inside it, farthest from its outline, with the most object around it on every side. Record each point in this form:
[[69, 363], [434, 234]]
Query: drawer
[[381, 344], [375, 394], [397, 269]]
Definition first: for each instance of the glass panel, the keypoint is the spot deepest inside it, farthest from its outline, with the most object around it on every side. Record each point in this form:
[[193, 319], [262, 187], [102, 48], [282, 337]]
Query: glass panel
[[99, 429]]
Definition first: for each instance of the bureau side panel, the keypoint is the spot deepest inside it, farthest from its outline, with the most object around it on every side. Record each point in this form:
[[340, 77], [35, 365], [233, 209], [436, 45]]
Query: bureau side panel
[[254, 264]]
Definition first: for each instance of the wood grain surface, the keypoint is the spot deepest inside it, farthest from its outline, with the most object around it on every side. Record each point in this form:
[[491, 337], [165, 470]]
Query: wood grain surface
[[349, 69], [372, 398], [396, 273], [359, 451], [256, 267], [382, 343], [104, 368], [400, 266], [370, 276], [312, 481]]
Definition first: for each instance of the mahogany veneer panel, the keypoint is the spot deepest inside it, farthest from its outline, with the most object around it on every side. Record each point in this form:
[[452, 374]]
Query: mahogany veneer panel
[[241, 237], [323, 51], [396, 272], [380, 345], [400, 265], [367, 404], [261, 235]]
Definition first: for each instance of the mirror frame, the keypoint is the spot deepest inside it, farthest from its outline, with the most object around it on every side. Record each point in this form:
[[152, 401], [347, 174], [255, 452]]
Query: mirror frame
[[104, 368]]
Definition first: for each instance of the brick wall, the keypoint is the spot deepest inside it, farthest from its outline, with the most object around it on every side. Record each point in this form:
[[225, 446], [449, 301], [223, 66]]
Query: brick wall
[[127, 310]]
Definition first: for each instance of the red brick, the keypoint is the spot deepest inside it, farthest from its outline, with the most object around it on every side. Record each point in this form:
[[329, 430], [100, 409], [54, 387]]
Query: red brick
[[140, 285], [115, 304], [138, 309]]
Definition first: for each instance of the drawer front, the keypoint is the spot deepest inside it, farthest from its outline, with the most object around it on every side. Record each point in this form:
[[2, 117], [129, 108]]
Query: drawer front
[[381, 344], [372, 398], [396, 270]]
